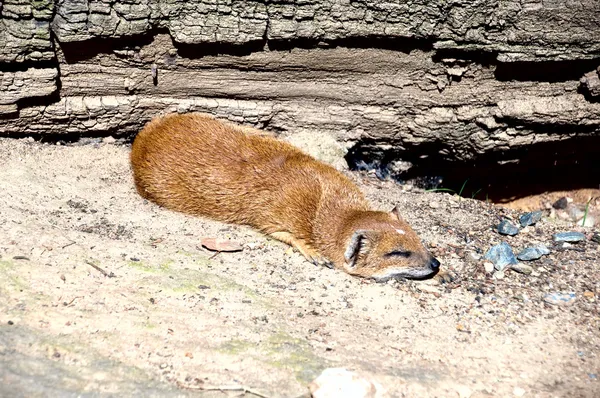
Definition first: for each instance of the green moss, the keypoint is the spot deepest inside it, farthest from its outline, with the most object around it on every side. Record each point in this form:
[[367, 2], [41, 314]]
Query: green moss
[[281, 351], [236, 347], [187, 280], [295, 354], [4, 265], [149, 325], [187, 287], [10, 280], [164, 266]]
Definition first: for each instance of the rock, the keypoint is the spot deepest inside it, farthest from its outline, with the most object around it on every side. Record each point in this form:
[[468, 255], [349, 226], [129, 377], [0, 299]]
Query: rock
[[575, 212], [522, 268], [530, 218], [489, 267], [595, 237], [561, 203], [518, 392], [560, 298], [507, 228], [109, 140], [472, 257], [434, 205], [587, 221], [340, 382], [501, 255], [430, 289], [464, 392], [533, 253], [568, 237]]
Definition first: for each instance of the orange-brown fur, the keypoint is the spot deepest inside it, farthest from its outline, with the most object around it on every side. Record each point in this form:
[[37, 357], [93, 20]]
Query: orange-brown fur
[[196, 164]]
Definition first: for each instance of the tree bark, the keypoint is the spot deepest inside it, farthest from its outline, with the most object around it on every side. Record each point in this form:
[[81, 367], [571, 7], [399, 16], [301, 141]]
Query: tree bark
[[466, 78]]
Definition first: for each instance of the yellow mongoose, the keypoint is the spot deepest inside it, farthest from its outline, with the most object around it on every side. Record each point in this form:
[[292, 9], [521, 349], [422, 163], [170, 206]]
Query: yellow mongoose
[[196, 164]]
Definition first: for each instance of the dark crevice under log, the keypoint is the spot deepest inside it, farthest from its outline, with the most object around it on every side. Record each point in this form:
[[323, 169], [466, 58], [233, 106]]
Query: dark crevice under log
[[497, 176]]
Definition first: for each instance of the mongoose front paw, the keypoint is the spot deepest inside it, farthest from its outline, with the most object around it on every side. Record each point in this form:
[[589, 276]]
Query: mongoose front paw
[[444, 277]]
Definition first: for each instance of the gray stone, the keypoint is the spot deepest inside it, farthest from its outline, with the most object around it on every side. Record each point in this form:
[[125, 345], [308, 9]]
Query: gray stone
[[533, 253], [568, 237], [561, 203], [522, 268], [561, 299], [501, 255], [507, 228], [530, 218]]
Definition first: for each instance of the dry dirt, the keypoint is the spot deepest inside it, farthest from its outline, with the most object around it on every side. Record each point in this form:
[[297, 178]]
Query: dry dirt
[[105, 294]]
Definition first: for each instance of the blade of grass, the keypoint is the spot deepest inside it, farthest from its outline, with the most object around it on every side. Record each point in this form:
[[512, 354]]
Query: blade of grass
[[441, 190], [463, 187], [587, 208], [475, 194]]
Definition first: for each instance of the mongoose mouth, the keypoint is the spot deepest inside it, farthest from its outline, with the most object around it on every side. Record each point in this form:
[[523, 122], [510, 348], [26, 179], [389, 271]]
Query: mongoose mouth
[[406, 273]]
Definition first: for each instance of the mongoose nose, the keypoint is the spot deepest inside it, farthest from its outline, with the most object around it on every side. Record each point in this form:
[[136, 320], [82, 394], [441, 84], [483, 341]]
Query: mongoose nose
[[434, 263]]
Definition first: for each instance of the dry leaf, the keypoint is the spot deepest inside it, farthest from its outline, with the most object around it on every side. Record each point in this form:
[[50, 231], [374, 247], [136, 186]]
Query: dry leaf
[[221, 245]]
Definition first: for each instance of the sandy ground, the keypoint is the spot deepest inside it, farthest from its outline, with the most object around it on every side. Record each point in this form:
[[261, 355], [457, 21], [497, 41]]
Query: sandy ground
[[103, 293]]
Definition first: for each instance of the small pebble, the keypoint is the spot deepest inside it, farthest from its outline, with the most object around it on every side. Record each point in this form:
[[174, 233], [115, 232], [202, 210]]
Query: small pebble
[[464, 392], [489, 267], [472, 257], [560, 298], [533, 253], [109, 140], [501, 255], [339, 382], [530, 218], [564, 245], [568, 237], [518, 392], [507, 228], [596, 237], [430, 289], [522, 268], [434, 205], [499, 275]]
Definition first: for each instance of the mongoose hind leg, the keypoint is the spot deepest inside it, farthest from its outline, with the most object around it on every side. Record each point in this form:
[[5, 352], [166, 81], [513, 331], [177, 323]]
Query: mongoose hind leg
[[308, 252]]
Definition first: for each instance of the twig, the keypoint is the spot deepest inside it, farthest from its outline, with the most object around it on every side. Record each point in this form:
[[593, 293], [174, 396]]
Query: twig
[[20, 258], [214, 255], [71, 302], [67, 245], [244, 389], [106, 274], [217, 252]]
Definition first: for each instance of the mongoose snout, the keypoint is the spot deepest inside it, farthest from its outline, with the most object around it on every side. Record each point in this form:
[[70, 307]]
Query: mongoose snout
[[198, 165]]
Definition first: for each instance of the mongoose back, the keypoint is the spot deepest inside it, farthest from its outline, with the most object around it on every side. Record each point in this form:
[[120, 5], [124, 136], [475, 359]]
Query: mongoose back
[[198, 165]]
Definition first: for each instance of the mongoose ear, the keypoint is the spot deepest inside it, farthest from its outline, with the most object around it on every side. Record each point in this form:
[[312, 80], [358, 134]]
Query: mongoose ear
[[354, 247], [396, 214]]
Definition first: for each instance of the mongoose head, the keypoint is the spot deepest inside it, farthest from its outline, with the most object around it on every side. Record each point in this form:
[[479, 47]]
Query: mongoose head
[[383, 246]]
